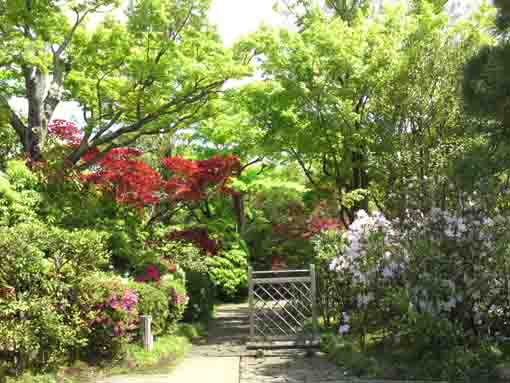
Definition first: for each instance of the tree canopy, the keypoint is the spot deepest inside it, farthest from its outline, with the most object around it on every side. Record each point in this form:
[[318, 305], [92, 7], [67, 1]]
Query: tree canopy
[[149, 72]]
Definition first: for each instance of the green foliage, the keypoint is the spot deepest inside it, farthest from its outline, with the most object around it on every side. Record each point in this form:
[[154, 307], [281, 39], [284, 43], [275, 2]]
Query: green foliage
[[154, 302], [20, 199], [9, 143], [403, 361], [41, 325], [202, 295], [177, 298], [330, 289], [228, 271], [167, 350], [487, 83], [191, 331]]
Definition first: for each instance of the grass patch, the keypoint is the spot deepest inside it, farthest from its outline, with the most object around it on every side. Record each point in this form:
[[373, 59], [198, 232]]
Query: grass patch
[[167, 350], [382, 360]]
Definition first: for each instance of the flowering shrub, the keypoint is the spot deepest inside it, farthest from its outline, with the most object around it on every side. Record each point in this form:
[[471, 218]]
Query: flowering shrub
[[430, 279], [111, 308], [370, 267], [458, 268]]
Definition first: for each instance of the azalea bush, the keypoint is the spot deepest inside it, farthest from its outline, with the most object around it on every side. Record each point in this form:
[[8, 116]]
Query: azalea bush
[[40, 268], [162, 292], [370, 268], [110, 307], [458, 269]]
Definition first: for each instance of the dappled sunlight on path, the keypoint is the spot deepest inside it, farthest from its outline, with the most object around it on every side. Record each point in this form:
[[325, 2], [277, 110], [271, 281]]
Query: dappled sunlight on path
[[223, 358]]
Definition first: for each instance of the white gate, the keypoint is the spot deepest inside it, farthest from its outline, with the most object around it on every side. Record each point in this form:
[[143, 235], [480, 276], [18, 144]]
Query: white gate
[[283, 306]]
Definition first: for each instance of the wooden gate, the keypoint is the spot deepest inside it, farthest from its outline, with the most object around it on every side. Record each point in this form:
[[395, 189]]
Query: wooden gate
[[283, 306]]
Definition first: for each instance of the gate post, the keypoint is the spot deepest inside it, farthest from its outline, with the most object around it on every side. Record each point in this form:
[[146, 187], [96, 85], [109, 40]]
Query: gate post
[[313, 278], [250, 302]]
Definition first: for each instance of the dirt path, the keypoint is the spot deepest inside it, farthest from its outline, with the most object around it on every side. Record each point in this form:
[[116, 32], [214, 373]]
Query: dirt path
[[223, 358]]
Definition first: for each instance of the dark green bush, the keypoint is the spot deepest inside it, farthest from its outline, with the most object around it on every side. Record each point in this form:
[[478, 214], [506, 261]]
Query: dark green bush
[[202, 295]]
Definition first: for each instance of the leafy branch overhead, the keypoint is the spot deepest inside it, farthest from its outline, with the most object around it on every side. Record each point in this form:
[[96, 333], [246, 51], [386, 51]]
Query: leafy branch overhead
[[150, 72]]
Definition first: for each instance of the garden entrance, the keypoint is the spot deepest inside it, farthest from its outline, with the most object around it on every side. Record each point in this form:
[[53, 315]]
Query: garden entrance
[[283, 308]]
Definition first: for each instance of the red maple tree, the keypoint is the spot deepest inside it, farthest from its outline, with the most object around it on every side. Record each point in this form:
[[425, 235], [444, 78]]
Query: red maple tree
[[66, 131], [193, 179], [131, 180]]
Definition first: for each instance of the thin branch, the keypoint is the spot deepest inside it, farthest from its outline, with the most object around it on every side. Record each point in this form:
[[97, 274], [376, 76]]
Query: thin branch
[[256, 160], [303, 166]]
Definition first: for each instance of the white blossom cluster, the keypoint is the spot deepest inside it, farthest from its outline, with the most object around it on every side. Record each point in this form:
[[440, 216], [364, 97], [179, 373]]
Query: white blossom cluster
[[369, 233], [445, 262], [462, 263]]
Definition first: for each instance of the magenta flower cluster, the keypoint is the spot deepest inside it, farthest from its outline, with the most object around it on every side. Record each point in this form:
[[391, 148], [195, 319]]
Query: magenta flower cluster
[[127, 302], [118, 313]]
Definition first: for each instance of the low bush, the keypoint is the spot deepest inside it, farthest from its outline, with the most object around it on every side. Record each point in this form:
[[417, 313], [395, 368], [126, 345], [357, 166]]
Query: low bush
[[202, 296], [175, 292]]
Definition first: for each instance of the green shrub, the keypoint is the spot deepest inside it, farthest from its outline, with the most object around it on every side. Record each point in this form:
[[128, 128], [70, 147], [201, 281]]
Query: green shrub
[[39, 270], [175, 291], [202, 295], [19, 202], [152, 301], [189, 331], [228, 272]]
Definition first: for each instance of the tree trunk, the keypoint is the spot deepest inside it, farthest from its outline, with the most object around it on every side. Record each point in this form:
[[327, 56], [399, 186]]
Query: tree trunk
[[37, 87]]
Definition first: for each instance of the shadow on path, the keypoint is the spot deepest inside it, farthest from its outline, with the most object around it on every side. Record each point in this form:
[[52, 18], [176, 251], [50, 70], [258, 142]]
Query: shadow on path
[[227, 337], [228, 332]]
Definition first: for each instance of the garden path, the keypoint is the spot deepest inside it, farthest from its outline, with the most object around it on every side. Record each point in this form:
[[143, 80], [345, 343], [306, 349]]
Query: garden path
[[223, 358]]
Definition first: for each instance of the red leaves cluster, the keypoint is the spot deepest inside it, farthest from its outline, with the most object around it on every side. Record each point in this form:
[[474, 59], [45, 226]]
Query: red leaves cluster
[[194, 178], [134, 182], [199, 237], [130, 180], [150, 274]]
